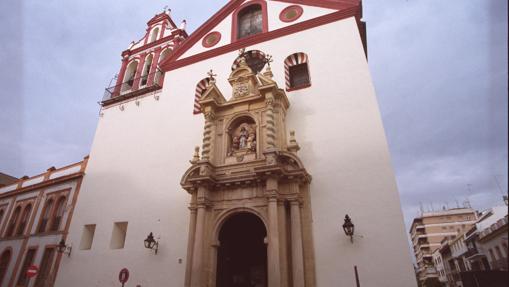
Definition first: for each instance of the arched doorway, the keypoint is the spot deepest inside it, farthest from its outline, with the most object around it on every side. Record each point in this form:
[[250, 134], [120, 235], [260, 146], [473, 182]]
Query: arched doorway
[[242, 254]]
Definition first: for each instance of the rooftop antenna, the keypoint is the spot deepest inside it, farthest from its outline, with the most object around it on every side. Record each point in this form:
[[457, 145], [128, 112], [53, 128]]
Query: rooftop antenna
[[498, 184], [469, 187], [457, 203], [421, 207]]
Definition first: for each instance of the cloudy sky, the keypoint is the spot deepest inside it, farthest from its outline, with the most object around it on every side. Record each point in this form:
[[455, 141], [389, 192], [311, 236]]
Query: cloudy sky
[[439, 68]]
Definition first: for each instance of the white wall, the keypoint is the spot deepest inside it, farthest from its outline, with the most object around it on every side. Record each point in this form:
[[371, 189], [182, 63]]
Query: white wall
[[139, 155]]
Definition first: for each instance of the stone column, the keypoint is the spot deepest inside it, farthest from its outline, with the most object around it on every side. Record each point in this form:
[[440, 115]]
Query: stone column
[[283, 248], [274, 268], [297, 253], [197, 271], [190, 245], [207, 135], [270, 129]]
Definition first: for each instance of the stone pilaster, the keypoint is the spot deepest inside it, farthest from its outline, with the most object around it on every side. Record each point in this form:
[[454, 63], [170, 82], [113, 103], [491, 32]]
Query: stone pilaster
[[297, 253]]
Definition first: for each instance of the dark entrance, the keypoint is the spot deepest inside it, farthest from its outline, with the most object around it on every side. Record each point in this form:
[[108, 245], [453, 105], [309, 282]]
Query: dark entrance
[[242, 254]]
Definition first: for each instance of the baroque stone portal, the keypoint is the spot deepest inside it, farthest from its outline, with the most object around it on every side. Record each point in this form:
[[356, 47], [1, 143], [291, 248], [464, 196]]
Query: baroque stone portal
[[250, 177]]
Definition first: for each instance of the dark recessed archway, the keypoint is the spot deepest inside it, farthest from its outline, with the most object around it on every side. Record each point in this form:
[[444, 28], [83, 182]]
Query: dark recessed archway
[[242, 254]]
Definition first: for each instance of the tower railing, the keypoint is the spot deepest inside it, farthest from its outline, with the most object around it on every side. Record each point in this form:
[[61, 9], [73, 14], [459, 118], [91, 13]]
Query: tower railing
[[133, 87]]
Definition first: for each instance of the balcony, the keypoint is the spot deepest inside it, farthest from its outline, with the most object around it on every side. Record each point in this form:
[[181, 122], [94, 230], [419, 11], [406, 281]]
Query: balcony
[[132, 88]]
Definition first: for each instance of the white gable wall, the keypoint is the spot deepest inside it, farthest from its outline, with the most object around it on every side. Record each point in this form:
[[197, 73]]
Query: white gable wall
[[273, 10]]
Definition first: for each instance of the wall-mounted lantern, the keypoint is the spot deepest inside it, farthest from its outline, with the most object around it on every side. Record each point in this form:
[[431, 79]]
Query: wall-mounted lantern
[[348, 227], [151, 243], [63, 248]]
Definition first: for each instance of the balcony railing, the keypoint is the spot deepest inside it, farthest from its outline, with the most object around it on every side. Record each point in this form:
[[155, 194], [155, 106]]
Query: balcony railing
[[133, 87]]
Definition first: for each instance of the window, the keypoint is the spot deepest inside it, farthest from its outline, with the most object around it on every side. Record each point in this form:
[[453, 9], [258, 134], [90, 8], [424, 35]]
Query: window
[[24, 220], [499, 253], [493, 258], [58, 214], [23, 280], [118, 235], [4, 264], [45, 216], [87, 237], [297, 71], [12, 223], [250, 21], [43, 278], [299, 75]]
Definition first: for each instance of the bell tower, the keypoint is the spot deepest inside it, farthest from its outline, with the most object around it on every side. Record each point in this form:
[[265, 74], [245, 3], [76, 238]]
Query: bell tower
[[248, 177]]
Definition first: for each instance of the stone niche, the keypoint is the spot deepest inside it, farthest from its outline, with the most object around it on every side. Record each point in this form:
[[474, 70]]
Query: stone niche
[[242, 140]]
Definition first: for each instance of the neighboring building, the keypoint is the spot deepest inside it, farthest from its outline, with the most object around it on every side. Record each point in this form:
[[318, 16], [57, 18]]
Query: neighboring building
[[254, 207], [439, 267], [477, 257], [428, 233], [458, 262], [35, 214], [6, 179], [493, 238]]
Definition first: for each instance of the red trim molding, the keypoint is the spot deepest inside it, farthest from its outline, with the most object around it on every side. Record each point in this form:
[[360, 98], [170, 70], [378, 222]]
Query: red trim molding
[[291, 13], [265, 21], [211, 39], [331, 4], [172, 63]]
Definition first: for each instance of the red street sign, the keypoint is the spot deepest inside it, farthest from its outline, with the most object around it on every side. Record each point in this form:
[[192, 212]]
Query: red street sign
[[32, 271], [123, 276]]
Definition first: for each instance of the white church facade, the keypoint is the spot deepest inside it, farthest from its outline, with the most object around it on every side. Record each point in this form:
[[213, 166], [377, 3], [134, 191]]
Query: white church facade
[[241, 148]]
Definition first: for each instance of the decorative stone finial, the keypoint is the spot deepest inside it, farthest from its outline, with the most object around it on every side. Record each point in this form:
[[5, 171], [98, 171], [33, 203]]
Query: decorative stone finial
[[183, 25], [196, 156], [242, 58], [293, 146], [268, 59], [212, 76]]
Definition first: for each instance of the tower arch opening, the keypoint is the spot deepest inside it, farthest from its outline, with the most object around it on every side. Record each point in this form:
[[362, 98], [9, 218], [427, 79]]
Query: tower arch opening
[[129, 76], [242, 252]]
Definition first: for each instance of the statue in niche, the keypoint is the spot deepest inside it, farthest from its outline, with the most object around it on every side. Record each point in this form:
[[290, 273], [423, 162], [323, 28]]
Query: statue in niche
[[243, 139]]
